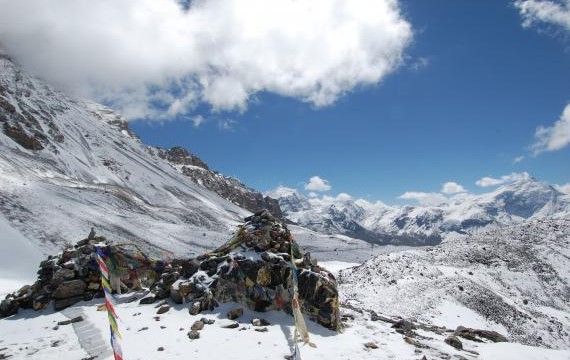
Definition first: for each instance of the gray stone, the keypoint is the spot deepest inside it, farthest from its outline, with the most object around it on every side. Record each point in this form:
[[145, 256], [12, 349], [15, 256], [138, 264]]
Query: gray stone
[[198, 325], [163, 309], [235, 313], [195, 308], [60, 304], [69, 289], [233, 325], [71, 321], [454, 342], [149, 299], [64, 274], [194, 334]]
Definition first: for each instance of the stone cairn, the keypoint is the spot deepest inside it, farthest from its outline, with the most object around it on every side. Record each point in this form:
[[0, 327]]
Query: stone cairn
[[252, 269]]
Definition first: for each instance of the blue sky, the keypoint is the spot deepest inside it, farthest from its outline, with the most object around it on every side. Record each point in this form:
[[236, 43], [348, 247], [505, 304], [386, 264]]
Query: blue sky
[[467, 102], [377, 97]]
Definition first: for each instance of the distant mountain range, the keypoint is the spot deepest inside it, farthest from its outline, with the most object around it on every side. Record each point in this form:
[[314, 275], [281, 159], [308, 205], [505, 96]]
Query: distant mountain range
[[525, 199]]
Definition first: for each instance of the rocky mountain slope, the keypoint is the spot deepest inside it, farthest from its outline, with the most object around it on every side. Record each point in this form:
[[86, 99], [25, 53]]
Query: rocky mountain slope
[[516, 279], [67, 165], [227, 187], [424, 225]]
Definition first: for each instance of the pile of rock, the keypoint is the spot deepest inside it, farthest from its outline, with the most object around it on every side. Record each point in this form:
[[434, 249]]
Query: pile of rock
[[257, 276], [66, 279], [73, 276], [254, 269]]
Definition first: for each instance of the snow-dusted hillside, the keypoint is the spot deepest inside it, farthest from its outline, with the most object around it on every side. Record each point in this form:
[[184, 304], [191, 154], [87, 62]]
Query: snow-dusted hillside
[[514, 279], [67, 165], [514, 203]]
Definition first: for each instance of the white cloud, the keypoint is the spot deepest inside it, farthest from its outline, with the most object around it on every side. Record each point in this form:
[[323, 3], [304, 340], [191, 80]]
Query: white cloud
[[197, 120], [518, 159], [280, 191], [563, 188], [545, 11], [554, 137], [227, 125], [452, 187], [489, 181], [154, 59], [424, 198], [317, 184]]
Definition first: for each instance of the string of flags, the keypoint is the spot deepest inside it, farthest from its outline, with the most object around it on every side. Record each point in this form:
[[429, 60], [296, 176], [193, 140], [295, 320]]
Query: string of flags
[[301, 330], [103, 261]]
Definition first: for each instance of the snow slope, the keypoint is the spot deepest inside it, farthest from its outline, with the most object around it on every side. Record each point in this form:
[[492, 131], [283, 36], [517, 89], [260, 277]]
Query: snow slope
[[515, 278], [68, 164]]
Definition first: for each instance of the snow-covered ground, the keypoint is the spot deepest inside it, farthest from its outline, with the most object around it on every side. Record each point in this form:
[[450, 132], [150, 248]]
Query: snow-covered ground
[[37, 336]]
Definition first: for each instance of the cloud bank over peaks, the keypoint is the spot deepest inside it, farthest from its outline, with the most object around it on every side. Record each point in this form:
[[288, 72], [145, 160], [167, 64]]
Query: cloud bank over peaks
[[505, 179], [157, 59]]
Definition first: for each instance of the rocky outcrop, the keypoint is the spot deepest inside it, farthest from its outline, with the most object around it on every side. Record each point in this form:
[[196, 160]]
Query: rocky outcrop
[[227, 187]]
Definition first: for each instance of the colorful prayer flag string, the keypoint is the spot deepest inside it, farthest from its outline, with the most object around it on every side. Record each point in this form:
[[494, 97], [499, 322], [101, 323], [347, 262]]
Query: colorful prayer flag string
[[300, 326], [103, 261]]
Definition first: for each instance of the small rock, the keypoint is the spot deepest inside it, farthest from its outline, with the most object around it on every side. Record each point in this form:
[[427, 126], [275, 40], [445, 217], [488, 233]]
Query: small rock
[[198, 325], [207, 321], [525, 301], [233, 325], [163, 309], [454, 342], [160, 349], [371, 345], [149, 299], [74, 320], [260, 322], [195, 308], [263, 329], [142, 329], [235, 313], [194, 334]]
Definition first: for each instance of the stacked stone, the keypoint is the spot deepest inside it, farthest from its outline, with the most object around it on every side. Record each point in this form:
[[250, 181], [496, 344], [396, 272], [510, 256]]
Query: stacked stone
[[253, 269], [66, 279], [258, 277]]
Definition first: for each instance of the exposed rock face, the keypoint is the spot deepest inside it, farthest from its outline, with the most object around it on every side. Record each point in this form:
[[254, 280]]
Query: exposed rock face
[[180, 156], [228, 188]]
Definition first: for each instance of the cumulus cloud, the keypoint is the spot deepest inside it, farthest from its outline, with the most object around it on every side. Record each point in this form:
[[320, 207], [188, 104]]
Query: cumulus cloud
[[554, 137], [505, 179], [158, 58], [452, 187], [316, 184], [563, 188], [545, 11], [424, 198]]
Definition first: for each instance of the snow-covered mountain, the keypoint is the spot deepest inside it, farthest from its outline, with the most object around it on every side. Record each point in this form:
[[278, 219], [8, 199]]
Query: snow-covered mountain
[[416, 225], [227, 187], [515, 277], [67, 165]]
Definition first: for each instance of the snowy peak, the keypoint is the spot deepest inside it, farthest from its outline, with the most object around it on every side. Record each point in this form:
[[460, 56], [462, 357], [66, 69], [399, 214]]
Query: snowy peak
[[509, 204], [68, 164]]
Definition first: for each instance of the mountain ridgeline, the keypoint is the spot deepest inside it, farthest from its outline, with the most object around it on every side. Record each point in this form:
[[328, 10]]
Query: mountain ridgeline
[[68, 164], [515, 203]]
